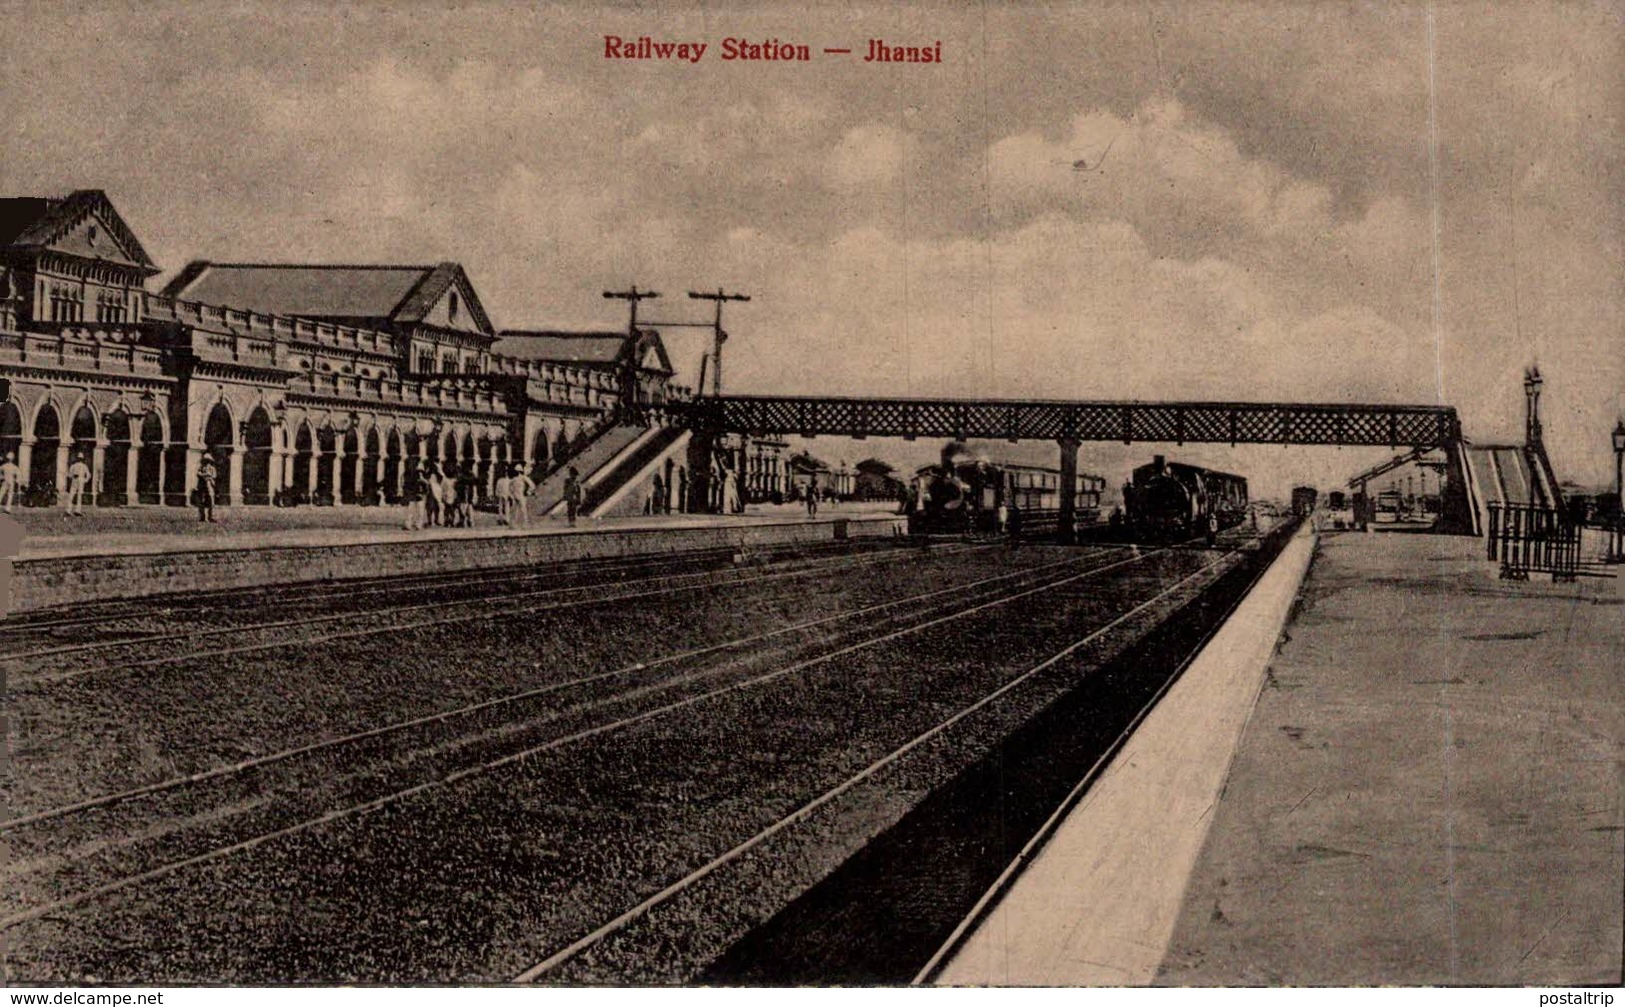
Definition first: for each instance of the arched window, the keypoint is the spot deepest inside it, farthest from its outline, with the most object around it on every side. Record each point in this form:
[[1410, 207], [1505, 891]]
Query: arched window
[[451, 306]]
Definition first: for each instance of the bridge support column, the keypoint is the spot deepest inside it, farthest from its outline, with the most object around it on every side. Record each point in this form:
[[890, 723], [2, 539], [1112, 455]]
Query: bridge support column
[[1066, 523], [701, 445]]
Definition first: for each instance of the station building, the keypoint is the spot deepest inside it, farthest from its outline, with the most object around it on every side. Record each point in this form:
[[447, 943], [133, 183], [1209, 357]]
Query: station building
[[306, 383]]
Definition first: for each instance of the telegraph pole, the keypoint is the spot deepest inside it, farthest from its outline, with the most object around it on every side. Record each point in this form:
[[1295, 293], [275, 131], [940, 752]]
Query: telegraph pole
[[633, 296], [721, 336], [629, 378]]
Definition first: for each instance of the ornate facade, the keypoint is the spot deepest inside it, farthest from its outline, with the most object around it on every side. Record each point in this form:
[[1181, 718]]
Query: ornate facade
[[305, 383]]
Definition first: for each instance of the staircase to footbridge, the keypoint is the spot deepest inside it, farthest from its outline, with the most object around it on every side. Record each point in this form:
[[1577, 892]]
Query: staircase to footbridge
[[1070, 423]]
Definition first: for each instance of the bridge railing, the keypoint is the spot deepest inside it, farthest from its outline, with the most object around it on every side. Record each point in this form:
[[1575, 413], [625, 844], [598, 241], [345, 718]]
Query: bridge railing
[[1526, 539], [1351, 424]]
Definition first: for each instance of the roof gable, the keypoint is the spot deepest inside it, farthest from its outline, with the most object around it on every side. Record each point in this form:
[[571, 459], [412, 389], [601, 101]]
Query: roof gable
[[445, 298], [311, 291], [359, 294], [601, 349], [84, 223]]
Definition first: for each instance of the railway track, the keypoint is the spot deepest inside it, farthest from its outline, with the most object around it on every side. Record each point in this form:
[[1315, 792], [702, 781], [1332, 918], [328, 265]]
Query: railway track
[[164, 827], [478, 746], [556, 961], [160, 646]]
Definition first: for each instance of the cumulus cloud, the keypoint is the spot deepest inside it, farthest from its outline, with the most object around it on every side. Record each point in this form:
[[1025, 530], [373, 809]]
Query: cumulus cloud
[[1263, 224]]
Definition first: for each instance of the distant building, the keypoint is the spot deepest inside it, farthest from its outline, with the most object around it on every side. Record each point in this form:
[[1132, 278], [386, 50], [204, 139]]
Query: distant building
[[766, 466], [304, 382], [836, 480], [873, 479]]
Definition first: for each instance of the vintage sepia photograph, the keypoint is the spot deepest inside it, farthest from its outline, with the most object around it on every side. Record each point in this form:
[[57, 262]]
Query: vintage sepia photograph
[[1112, 493]]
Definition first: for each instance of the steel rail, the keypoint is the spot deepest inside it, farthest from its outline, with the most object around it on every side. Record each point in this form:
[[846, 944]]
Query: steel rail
[[815, 566], [572, 950], [285, 754], [458, 776]]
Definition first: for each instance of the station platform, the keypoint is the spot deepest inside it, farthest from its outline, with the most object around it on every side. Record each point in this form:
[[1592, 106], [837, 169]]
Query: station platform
[[48, 559], [1422, 786]]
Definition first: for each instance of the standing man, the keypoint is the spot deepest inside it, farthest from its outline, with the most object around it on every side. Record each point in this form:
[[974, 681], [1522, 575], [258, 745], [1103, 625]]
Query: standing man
[[413, 496], [206, 476], [812, 495], [520, 486], [1212, 530], [78, 480], [661, 500], [11, 477], [468, 486], [501, 489], [572, 495]]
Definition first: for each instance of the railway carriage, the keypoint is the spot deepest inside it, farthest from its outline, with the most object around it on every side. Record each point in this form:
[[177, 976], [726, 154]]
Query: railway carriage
[[1304, 499], [965, 493]]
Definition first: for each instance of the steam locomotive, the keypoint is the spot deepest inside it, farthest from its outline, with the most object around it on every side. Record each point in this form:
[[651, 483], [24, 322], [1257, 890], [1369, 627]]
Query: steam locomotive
[[962, 494], [1171, 500]]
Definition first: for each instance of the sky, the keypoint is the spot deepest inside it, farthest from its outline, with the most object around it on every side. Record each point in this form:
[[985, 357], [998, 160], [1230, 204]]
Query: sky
[[1309, 201]]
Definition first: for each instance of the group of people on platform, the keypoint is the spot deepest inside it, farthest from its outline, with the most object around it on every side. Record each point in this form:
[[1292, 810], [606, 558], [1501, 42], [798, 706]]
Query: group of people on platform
[[436, 498], [11, 484]]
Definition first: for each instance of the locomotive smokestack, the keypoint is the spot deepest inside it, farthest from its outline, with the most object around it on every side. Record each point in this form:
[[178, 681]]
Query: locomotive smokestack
[[1160, 461]]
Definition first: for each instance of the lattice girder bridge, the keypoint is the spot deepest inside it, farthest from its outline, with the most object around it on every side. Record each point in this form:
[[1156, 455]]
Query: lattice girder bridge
[[1070, 423]]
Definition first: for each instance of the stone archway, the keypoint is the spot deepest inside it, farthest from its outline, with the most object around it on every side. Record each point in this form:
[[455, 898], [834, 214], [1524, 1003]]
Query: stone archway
[[304, 451], [540, 455], [413, 444], [219, 444], [348, 466], [561, 447], [448, 454], [82, 442], [116, 461], [257, 440], [371, 473], [327, 440], [149, 464], [393, 467], [487, 450], [42, 474], [11, 432]]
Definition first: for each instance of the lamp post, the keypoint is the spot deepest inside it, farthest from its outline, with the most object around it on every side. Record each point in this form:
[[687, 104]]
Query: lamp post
[[1531, 390], [1616, 533], [1619, 458]]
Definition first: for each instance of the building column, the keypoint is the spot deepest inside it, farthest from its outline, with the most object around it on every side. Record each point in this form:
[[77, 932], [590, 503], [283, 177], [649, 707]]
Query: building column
[[25, 461], [98, 469], [132, 469], [274, 478], [234, 476], [358, 484], [1066, 523], [338, 468], [194, 460], [63, 448]]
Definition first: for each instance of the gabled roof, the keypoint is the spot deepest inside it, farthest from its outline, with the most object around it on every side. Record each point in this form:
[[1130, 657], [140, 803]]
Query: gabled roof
[[375, 294], [600, 349], [39, 221]]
